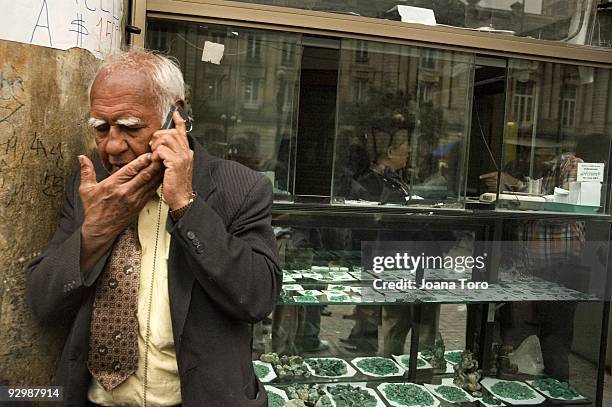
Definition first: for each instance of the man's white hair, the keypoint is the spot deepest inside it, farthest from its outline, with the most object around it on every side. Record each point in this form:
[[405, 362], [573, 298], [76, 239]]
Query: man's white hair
[[166, 78]]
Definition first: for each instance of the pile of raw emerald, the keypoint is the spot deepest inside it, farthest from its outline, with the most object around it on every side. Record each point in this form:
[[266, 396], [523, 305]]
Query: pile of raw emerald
[[406, 361], [490, 400], [286, 367], [351, 396], [327, 367], [261, 371], [274, 400], [378, 366], [453, 357], [306, 395], [556, 389], [515, 391], [452, 393], [408, 394]]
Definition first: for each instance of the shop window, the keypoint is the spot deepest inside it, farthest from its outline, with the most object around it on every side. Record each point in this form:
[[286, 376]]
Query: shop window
[[391, 121], [252, 93], [523, 101], [568, 106], [537, 144]]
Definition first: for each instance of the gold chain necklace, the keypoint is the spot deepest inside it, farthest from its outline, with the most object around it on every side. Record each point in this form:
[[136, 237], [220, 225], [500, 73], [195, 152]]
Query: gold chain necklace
[[148, 332]]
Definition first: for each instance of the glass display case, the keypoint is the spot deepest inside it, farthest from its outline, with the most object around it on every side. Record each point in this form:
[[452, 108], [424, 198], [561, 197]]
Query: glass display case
[[380, 148], [530, 316]]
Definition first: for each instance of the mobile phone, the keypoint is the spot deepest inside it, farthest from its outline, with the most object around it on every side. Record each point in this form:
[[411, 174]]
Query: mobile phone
[[169, 123]]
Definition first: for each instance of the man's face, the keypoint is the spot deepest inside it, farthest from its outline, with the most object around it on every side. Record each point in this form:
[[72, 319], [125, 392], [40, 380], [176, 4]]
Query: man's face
[[124, 116]]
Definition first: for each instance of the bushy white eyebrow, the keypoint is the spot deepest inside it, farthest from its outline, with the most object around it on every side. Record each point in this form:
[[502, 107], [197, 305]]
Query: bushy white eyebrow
[[130, 121], [93, 122]]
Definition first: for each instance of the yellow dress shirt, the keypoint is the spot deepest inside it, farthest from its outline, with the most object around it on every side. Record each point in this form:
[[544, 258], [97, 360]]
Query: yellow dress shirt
[[163, 385]]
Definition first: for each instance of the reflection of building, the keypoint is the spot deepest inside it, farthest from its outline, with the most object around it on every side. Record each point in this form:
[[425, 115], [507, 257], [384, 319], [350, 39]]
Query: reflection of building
[[571, 101], [431, 82], [248, 101]]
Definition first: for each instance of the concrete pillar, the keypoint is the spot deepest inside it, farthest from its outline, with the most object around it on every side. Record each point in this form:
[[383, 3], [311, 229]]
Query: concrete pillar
[[43, 112]]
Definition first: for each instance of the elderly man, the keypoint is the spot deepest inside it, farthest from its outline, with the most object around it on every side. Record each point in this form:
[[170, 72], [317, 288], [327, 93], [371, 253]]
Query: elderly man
[[163, 257]]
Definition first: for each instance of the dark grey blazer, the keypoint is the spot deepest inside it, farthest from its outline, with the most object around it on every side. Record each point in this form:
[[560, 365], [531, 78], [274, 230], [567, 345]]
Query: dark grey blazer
[[223, 275]]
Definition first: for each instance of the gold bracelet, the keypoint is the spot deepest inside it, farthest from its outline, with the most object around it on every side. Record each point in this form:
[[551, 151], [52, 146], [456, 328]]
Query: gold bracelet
[[179, 212]]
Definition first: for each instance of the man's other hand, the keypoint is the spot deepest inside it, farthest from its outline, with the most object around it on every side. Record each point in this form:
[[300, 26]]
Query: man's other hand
[[112, 204]]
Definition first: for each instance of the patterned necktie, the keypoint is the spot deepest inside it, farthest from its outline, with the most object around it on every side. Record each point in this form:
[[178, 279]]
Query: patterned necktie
[[113, 343]]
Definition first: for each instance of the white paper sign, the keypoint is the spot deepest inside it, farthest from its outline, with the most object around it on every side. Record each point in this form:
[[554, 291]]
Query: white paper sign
[[590, 172], [91, 24], [212, 52], [416, 15]]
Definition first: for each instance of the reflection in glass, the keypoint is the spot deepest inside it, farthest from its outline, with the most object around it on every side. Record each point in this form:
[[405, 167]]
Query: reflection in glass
[[403, 115], [573, 21], [556, 124], [245, 108]]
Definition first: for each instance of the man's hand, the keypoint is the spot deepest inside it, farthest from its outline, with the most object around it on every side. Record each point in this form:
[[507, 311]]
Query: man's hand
[[111, 205], [172, 148]]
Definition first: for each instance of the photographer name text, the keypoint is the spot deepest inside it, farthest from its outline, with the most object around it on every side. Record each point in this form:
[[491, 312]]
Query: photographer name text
[[404, 284]]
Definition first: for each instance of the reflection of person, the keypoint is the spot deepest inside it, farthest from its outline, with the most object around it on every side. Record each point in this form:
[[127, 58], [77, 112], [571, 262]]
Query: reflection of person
[[551, 249], [383, 183], [352, 162], [296, 329], [160, 272], [555, 171]]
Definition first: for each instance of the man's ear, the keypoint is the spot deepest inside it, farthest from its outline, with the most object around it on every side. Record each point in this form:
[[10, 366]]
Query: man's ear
[[181, 103]]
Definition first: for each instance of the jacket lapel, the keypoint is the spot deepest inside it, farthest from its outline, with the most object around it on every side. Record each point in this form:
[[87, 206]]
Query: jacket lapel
[[180, 282]]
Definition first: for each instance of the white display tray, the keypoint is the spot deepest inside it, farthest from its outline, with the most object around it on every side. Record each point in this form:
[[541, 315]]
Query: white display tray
[[433, 388], [350, 371], [381, 388], [271, 374], [398, 359], [398, 374], [379, 402], [489, 382]]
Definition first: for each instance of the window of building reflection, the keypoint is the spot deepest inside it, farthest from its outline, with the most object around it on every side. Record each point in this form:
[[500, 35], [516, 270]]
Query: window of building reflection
[[401, 125], [245, 108]]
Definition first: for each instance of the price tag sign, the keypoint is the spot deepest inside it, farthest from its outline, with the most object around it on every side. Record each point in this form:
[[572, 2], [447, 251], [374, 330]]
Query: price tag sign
[[590, 172]]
